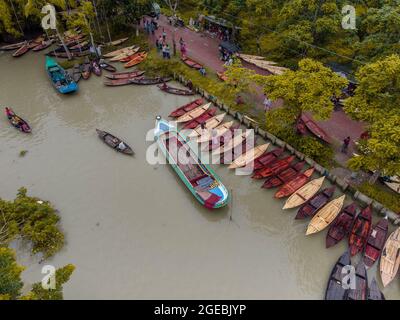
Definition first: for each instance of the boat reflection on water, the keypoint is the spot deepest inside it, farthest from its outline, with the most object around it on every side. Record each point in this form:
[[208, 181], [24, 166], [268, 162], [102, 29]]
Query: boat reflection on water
[[198, 177]]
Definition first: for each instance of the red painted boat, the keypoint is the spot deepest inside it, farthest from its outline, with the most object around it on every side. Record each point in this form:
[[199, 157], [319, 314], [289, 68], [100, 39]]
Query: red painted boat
[[376, 242], [201, 119], [191, 63], [17, 121], [124, 75], [341, 227], [310, 208], [267, 158], [314, 128], [186, 108], [274, 169], [22, 50], [284, 177], [360, 231], [295, 184]]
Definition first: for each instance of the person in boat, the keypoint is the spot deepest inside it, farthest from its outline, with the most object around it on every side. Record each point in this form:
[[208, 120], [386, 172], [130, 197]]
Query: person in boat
[[121, 146], [164, 86]]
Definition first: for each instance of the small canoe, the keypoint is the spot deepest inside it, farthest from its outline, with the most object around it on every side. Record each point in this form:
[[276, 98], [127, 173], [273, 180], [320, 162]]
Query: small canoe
[[43, 45], [194, 113], [294, 185], [375, 242], [64, 55], [314, 128], [106, 66], [232, 143], [186, 108], [197, 176], [117, 82], [305, 193], [116, 42], [325, 216], [80, 46], [124, 54], [95, 67], [77, 73], [315, 203], [360, 292], [209, 114], [240, 149], [118, 52], [218, 141], [13, 46], [208, 126], [248, 157], [393, 184], [274, 168], [131, 55], [22, 50], [177, 91], [215, 132], [390, 258], [360, 231], [374, 293], [191, 63], [342, 226], [86, 69], [136, 61], [143, 81], [337, 289], [283, 177], [16, 121], [114, 142], [267, 159], [124, 75]]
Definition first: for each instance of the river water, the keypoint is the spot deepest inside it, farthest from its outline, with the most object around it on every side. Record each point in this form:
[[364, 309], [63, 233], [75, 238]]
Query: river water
[[132, 229]]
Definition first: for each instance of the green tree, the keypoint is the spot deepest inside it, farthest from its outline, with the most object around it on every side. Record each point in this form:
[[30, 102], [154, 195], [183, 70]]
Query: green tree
[[10, 275]]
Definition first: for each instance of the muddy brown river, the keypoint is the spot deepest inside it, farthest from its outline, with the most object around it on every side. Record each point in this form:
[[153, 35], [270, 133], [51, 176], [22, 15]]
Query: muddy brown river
[[133, 230]]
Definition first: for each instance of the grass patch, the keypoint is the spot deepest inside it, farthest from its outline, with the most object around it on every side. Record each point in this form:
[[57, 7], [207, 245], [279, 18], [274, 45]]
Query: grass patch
[[388, 198]]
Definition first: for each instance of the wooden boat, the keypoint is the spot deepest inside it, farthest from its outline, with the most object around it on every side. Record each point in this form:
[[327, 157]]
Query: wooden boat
[[106, 66], [13, 46], [199, 178], [274, 168], [22, 50], [237, 151], [117, 42], [125, 54], [336, 290], [308, 209], [373, 291], [80, 45], [186, 108], [390, 258], [86, 69], [148, 81], [314, 128], [375, 242], [267, 159], [64, 55], [208, 125], [17, 121], [191, 63], [361, 290], [222, 76], [60, 79], [172, 90], [232, 143], [283, 177], [136, 61], [95, 67], [325, 216], [43, 45], [131, 55], [119, 51], [117, 82], [209, 114], [294, 185], [77, 73], [114, 142], [307, 192], [125, 75], [249, 156], [193, 114], [360, 231], [34, 43], [393, 184], [342, 226], [216, 132]]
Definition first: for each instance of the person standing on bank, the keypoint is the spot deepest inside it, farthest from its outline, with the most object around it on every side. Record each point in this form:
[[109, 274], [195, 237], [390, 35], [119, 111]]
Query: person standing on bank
[[345, 145]]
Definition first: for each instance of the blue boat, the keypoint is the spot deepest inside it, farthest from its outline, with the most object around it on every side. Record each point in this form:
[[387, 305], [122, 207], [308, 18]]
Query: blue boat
[[60, 79], [198, 177]]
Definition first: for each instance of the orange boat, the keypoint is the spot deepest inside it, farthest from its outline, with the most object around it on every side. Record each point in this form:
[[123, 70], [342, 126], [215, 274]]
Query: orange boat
[[192, 63], [129, 57], [135, 61], [274, 168], [295, 184]]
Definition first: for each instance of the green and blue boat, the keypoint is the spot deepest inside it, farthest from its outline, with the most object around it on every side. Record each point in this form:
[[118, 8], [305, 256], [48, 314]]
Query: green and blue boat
[[198, 177], [59, 78]]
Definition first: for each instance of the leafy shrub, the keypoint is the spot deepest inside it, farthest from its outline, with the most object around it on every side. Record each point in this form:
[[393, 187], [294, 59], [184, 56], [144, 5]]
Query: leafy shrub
[[388, 198]]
